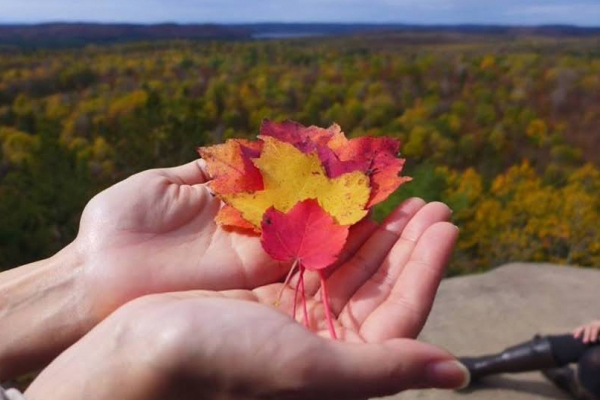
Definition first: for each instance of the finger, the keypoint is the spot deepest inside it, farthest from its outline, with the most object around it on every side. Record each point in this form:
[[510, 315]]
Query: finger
[[590, 334], [343, 370], [349, 277], [192, 173], [577, 332], [404, 312], [587, 334], [357, 236], [379, 285], [594, 335], [374, 261]]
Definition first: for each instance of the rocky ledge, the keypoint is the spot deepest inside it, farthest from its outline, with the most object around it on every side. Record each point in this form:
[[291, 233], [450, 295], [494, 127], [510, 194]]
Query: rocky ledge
[[486, 313]]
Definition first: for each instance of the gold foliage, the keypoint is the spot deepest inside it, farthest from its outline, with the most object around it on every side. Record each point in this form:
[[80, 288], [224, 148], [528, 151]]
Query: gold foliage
[[74, 121], [523, 218]]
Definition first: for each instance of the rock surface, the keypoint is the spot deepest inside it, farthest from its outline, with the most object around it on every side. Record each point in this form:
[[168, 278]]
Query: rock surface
[[486, 313]]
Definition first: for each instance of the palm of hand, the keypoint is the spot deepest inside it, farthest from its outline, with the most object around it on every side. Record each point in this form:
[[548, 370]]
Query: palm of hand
[[155, 232]]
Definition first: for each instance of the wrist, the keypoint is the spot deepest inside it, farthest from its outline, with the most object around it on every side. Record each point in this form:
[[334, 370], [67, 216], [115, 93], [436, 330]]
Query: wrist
[[122, 359], [42, 311], [67, 271]]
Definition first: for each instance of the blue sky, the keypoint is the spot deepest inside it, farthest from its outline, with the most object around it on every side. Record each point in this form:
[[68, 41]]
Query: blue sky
[[530, 12]]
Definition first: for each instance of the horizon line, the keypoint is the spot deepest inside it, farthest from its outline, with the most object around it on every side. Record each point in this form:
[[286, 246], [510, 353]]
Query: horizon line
[[379, 23]]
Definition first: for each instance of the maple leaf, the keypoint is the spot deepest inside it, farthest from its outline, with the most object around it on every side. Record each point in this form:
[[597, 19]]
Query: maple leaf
[[306, 234], [232, 218], [385, 178], [335, 167], [376, 156], [305, 139], [231, 167], [310, 238], [290, 176]]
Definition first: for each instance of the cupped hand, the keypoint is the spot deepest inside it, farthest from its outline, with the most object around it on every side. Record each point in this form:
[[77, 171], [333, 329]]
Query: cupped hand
[[588, 333], [155, 232], [238, 344]]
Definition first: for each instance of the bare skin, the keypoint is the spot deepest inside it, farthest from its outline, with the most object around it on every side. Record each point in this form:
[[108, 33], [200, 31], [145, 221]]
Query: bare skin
[[151, 233], [588, 333], [154, 233], [237, 344]]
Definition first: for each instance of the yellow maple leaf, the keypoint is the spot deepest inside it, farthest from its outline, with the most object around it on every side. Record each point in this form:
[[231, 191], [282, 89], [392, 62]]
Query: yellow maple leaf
[[291, 176]]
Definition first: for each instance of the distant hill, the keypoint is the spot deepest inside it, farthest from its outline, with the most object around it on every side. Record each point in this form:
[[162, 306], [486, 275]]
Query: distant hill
[[78, 34], [331, 29]]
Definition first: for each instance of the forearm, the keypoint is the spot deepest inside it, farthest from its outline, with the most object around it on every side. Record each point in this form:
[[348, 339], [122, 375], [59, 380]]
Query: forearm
[[93, 374], [116, 359], [42, 311]]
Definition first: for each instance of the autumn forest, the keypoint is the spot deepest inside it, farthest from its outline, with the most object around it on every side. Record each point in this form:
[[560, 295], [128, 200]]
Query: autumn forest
[[504, 129]]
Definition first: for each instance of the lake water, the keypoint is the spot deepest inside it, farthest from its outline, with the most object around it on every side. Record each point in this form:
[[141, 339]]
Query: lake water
[[283, 35]]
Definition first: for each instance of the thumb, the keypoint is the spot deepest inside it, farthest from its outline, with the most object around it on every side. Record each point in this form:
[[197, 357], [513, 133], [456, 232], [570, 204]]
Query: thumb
[[349, 370], [187, 196], [192, 173]]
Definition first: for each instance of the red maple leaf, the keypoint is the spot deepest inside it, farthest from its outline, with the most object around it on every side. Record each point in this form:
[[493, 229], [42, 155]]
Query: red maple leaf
[[375, 156], [231, 167], [306, 234], [310, 238], [305, 139]]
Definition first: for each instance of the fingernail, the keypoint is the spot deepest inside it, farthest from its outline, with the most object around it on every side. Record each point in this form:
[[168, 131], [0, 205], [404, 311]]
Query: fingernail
[[448, 374]]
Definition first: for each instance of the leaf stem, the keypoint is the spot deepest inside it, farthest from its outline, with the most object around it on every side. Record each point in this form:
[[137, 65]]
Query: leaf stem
[[326, 304], [296, 298], [285, 283], [303, 293]]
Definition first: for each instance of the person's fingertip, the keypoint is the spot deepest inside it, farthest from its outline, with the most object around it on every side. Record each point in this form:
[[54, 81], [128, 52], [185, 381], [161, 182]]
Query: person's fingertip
[[414, 199], [203, 166], [412, 204], [447, 374], [442, 229], [400, 216], [192, 173], [442, 206]]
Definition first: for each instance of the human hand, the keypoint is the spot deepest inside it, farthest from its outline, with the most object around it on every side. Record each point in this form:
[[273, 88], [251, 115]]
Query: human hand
[[155, 232], [235, 344], [589, 333]]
